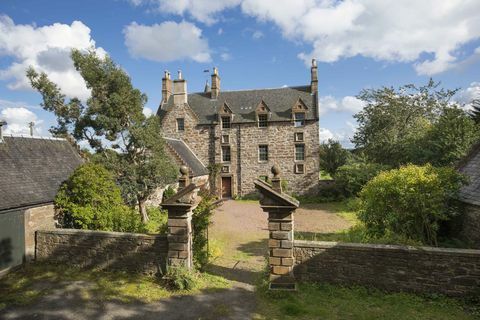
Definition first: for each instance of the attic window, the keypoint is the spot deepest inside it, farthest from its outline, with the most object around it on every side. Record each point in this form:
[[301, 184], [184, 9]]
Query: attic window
[[299, 119], [226, 124], [262, 120], [180, 124]]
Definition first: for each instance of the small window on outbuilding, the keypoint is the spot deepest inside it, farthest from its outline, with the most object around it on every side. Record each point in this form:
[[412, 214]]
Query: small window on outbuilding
[[180, 124], [226, 156], [299, 119], [263, 152], [299, 152], [263, 120], [226, 123]]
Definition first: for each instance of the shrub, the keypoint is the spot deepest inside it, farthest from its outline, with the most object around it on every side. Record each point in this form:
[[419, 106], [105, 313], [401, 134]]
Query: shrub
[[90, 199], [409, 202], [201, 219], [180, 278], [157, 222], [351, 178], [169, 191]]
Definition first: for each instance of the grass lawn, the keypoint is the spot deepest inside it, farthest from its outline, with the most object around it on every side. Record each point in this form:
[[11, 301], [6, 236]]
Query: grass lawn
[[334, 302], [32, 281]]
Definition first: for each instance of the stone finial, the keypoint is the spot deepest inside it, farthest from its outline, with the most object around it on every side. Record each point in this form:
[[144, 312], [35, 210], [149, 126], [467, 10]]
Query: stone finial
[[184, 180], [276, 181]]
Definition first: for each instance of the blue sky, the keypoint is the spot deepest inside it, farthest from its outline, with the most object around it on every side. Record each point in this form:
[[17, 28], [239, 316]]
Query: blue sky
[[254, 43]]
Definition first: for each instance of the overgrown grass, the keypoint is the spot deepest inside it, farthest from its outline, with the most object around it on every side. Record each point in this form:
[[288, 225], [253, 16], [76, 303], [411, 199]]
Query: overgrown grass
[[335, 302], [35, 280]]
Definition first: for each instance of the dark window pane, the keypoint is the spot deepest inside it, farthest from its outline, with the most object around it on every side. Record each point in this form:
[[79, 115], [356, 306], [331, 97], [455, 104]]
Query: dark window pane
[[299, 152], [263, 153], [262, 120], [226, 154], [225, 122], [299, 119], [180, 124]]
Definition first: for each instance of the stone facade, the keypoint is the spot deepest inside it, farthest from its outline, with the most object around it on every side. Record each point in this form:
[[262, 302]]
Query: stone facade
[[453, 272], [38, 218], [102, 250], [471, 225], [203, 132]]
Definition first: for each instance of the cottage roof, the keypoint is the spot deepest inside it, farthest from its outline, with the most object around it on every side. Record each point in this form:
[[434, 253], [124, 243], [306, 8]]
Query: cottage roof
[[32, 169], [243, 104], [187, 156], [470, 166]]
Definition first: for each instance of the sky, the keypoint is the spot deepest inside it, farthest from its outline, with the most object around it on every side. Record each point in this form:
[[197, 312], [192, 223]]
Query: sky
[[358, 44]]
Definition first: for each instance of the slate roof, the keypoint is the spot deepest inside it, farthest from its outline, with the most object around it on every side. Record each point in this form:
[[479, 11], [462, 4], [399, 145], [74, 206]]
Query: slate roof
[[187, 156], [32, 169], [243, 104], [470, 166]]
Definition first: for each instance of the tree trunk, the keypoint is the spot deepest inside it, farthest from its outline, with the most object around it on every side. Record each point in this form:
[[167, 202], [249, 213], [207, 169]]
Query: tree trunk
[[143, 210]]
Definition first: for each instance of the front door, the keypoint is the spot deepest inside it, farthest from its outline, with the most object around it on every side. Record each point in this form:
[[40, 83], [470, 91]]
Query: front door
[[226, 187]]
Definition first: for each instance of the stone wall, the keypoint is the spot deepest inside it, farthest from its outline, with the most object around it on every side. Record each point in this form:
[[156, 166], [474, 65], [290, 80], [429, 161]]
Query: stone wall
[[38, 218], [453, 272], [470, 231], [130, 252]]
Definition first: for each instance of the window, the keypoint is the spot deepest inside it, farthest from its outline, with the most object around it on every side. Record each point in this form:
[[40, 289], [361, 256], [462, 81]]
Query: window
[[262, 120], [226, 154], [180, 124], [298, 137], [299, 152], [299, 168], [299, 119], [263, 153], [225, 122], [225, 138], [225, 169]]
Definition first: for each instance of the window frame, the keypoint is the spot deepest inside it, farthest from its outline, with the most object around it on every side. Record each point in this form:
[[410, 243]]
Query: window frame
[[225, 141], [302, 121], [265, 122], [296, 134], [297, 153], [260, 146], [299, 165], [178, 124], [225, 153], [224, 122]]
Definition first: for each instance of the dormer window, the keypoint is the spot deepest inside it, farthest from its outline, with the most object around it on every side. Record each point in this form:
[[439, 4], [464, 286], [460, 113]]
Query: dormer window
[[263, 120], [299, 119], [226, 122]]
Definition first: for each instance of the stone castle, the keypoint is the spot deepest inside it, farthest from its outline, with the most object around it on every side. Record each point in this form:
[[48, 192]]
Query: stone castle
[[245, 132]]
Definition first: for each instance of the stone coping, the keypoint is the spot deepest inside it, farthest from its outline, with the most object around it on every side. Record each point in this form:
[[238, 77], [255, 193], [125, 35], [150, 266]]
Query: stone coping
[[386, 248], [106, 234]]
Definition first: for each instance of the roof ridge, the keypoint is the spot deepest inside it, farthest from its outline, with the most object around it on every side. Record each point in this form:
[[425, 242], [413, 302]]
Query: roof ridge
[[33, 137], [260, 89]]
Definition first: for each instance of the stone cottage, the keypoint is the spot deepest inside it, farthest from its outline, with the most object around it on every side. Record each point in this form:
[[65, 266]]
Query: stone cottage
[[31, 171], [245, 132], [470, 196]]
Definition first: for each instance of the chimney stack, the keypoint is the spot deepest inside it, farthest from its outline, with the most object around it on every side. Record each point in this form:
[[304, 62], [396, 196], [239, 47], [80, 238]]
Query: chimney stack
[[215, 90], [31, 125], [314, 81], [179, 90], [166, 86], [2, 123]]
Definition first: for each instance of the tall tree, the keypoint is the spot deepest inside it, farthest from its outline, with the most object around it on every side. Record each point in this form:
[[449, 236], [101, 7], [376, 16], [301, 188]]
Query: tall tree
[[332, 156], [397, 125], [475, 112], [113, 124]]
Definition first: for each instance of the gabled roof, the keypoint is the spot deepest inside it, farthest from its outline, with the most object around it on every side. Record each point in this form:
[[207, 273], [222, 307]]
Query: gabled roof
[[187, 156], [32, 169], [244, 103], [470, 167]]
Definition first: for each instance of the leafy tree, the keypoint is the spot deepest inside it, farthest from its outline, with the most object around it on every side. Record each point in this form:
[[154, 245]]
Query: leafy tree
[[409, 202], [351, 178], [475, 112], [113, 124], [397, 125], [90, 199], [332, 156]]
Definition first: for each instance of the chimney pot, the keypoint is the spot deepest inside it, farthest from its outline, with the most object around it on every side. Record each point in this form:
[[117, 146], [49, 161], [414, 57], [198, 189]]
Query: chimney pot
[[2, 123], [166, 86], [179, 74], [215, 90]]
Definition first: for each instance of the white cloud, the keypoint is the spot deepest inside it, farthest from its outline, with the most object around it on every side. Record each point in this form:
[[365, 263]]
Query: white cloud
[[147, 112], [465, 96], [47, 49], [347, 104], [18, 119], [388, 30], [325, 134], [342, 135], [206, 11], [167, 41], [225, 56], [257, 34]]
